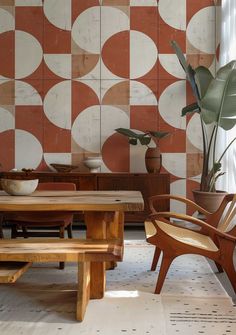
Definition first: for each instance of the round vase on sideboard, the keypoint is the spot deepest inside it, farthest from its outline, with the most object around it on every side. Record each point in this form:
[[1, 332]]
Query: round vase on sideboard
[[209, 200], [153, 160]]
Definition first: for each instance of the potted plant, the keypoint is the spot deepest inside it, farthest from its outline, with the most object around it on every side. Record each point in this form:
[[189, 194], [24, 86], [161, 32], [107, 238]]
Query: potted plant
[[216, 106], [153, 158]]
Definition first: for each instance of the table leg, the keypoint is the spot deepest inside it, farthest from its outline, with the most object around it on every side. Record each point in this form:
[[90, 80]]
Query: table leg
[[102, 225], [1, 222]]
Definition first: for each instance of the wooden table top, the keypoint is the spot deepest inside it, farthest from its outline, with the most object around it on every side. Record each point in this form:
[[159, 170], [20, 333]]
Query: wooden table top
[[73, 201]]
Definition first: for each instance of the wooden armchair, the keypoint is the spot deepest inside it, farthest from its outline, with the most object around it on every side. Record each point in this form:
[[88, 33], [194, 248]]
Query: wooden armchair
[[216, 238]]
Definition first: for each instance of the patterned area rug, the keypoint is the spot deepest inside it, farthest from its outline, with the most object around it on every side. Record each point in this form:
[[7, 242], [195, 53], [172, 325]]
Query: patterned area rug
[[192, 301]]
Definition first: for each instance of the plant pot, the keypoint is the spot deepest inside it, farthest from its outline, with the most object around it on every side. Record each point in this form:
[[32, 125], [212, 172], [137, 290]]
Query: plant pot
[[153, 160], [209, 200]]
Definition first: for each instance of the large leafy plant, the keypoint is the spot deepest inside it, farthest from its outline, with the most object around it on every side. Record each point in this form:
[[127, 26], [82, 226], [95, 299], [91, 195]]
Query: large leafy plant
[[216, 106]]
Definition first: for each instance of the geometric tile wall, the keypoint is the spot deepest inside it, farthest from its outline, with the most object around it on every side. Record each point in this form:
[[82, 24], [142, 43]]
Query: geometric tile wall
[[71, 71]]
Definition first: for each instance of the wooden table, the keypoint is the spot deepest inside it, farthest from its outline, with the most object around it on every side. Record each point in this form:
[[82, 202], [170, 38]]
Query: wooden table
[[103, 213]]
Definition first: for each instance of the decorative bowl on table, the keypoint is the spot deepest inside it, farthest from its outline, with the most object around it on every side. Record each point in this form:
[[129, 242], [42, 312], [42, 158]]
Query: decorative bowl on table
[[93, 163], [19, 187], [63, 167]]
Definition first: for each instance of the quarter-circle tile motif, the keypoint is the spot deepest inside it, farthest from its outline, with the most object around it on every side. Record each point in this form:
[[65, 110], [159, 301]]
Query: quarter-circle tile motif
[[194, 132], [168, 10], [7, 120], [58, 12], [171, 102], [25, 45], [201, 30], [57, 104], [26, 94], [86, 30], [26, 142], [7, 21], [60, 64], [141, 45]]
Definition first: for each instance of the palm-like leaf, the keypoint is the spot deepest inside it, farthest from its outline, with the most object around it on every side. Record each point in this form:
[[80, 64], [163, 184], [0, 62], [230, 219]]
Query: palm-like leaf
[[158, 134], [219, 103], [190, 109], [203, 78], [189, 71]]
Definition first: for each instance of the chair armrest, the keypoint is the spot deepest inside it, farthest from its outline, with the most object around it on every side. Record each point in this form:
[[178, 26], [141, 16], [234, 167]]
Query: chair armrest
[[212, 230], [177, 198]]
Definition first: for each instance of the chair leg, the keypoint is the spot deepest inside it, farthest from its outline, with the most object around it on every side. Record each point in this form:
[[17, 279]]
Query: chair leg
[[219, 267], [1, 230], [25, 232], [62, 235], [13, 231], [231, 273], [155, 258], [165, 264], [69, 230]]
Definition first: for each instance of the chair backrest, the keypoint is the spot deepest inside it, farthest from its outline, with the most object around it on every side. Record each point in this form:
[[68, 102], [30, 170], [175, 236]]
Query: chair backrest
[[56, 186], [228, 221]]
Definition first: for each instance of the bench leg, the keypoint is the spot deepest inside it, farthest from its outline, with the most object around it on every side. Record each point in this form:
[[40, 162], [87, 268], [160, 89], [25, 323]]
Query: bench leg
[[83, 294]]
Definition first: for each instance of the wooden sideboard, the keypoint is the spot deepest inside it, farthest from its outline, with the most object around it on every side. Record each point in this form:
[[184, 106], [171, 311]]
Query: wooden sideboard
[[148, 183]]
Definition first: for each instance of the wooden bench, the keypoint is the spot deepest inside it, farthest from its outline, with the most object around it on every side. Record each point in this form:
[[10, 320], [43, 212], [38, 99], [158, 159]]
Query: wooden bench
[[62, 250]]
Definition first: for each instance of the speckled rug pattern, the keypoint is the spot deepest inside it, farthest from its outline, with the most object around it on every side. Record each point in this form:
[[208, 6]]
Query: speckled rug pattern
[[192, 301]]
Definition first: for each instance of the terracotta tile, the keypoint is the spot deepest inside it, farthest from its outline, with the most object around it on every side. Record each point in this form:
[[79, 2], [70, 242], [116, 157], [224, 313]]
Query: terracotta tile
[[30, 20], [116, 54], [10, 9], [48, 84], [144, 95], [82, 97], [38, 85], [190, 148], [83, 64], [48, 74], [194, 6], [30, 118], [7, 150], [167, 34], [163, 84], [118, 94], [163, 74], [56, 40], [175, 142], [56, 139], [7, 92], [145, 19], [7, 2], [190, 98], [43, 166], [116, 2], [200, 60], [79, 6], [116, 146], [7, 54], [194, 165], [144, 118]]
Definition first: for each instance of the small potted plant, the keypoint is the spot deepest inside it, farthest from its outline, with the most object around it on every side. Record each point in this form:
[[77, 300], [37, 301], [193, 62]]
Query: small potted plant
[[153, 158], [216, 106]]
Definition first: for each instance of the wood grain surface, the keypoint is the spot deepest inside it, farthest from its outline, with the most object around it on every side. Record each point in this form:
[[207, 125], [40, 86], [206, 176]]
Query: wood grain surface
[[73, 201]]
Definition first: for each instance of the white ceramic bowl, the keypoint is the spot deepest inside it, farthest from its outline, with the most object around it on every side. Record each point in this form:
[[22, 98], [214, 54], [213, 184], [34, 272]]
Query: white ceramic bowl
[[19, 187], [93, 163]]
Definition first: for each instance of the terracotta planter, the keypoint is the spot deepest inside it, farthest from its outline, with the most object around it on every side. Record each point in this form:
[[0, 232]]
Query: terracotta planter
[[153, 160], [209, 200]]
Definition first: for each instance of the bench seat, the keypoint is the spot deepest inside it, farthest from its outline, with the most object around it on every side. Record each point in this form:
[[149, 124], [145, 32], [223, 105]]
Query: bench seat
[[11, 271], [65, 250]]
